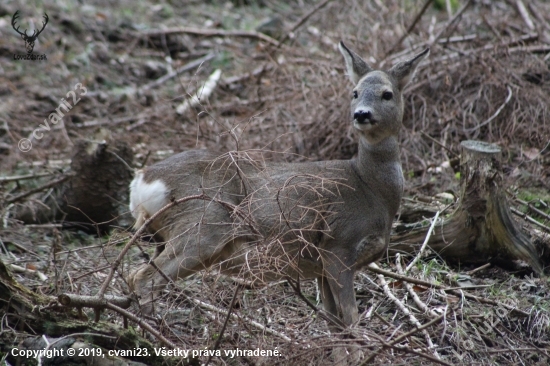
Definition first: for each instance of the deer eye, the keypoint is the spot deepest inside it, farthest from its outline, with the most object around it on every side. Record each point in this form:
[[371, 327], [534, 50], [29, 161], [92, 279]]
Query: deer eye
[[387, 95], [355, 95]]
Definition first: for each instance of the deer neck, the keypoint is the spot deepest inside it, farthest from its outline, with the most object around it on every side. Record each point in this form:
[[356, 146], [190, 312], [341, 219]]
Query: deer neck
[[379, 167]]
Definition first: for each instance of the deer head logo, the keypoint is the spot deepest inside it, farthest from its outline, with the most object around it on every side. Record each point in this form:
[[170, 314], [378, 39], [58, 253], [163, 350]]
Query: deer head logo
[[29, 40]]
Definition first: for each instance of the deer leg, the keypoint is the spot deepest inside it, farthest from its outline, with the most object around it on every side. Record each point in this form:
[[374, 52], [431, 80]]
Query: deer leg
[[341, 298], [148, 280], [329, 304], [340, 284], [183, 255]]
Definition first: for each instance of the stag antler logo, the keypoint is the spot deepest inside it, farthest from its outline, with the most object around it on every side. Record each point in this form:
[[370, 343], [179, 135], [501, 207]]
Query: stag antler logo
[[29, 40]]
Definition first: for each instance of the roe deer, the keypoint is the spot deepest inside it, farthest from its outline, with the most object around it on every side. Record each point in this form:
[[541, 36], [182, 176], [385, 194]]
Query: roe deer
[[322, 219]]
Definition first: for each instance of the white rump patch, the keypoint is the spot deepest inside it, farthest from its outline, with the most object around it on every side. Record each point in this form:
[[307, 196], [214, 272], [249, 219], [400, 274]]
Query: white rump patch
[[146, 198]]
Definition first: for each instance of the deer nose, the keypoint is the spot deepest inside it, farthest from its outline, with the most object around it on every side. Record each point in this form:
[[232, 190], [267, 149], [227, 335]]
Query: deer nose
[[362, 116]]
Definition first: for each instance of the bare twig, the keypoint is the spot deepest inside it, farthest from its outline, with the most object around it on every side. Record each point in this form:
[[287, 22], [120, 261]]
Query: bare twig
[[456, 39], [191, 65], [530, 219], [530, 206], [323, 314], [421, 305], [438, 143], [141, 323], [21, 247], [254, 323], [495, 115], [224, 326], [450, 22], [23, 177], [378, 270], [525, 14], [137, 235], [402, 337], [405, 310], [475, 270], [410, 28], [210, 33], [424, 244], [53, 183], [109, 121], [301, 21]]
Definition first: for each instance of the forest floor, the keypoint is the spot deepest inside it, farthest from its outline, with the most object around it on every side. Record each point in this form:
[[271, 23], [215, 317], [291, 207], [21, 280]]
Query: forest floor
[[134, 69]]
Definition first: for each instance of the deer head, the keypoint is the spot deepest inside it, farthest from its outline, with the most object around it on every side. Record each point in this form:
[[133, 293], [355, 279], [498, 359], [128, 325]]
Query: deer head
[[29, 40]]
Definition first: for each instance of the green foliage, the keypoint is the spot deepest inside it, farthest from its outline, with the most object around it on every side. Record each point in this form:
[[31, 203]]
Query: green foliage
[[538, 198], [432, 267], [442, 5], [222, 61]]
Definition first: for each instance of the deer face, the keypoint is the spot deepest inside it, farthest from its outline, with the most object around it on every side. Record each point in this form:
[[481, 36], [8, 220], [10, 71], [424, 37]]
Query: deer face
[[377, 102], [376, 106]]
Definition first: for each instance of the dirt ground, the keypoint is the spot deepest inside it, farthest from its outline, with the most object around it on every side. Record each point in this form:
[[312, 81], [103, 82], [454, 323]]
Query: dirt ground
[[136, 72]]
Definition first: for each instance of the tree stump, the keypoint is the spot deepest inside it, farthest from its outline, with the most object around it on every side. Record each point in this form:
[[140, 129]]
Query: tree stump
[[94, 198], [481, 228]]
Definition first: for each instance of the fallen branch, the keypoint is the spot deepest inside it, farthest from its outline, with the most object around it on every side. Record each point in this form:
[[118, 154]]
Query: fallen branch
[[421, 305], [532, 208], [405, 310], [461, 293], [23, 177], [529, 219], [301, 21], [53, 183], [191, 65], [402, 337], [108, 121], [424, 244], [254, 323], [522, 10], [410, 27], [202, 94], [224, 326], [141, 323], [210, 33], [93, 301]]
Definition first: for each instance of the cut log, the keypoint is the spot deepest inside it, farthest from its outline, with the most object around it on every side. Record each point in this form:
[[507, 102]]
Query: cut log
[[481, 228]]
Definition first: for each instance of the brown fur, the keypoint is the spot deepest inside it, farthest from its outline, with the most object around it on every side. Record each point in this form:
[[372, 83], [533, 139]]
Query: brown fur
[[319, 220]]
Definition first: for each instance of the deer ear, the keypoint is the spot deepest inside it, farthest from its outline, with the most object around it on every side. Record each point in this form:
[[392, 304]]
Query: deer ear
[[404, 71], [355, 65]]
